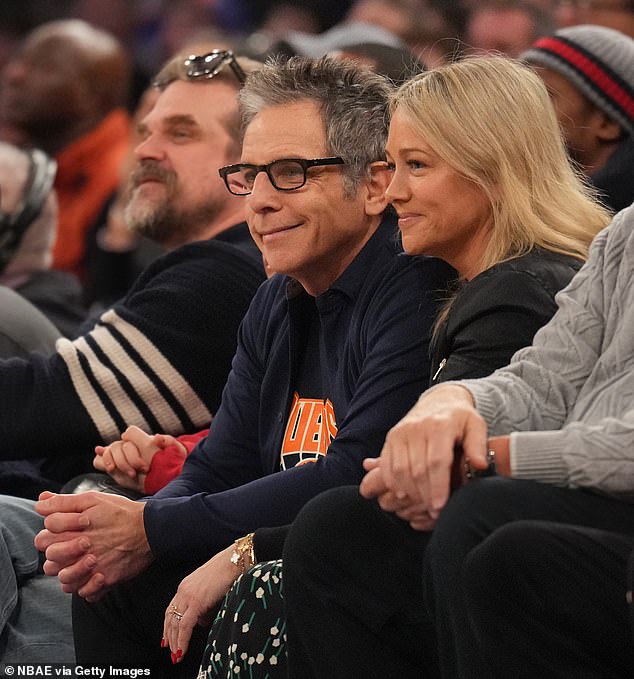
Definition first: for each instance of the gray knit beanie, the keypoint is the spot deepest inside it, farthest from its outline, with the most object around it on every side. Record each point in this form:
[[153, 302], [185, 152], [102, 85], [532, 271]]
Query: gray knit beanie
[[599, 61]]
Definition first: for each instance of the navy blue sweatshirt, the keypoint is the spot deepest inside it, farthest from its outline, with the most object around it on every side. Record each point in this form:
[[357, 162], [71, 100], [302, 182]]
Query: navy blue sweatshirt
[[375, 323]]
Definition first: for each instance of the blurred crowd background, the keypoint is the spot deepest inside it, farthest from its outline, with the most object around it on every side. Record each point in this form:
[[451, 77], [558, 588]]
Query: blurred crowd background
[[435, 30], [75, 75]]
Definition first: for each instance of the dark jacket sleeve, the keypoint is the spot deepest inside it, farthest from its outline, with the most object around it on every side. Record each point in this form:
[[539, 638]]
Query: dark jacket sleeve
[[219, 495], [158, 359], [491, 319]]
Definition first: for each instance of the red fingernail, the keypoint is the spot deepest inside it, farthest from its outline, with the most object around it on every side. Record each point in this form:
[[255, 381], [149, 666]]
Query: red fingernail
[[163, 643], [179, 652], [173, 658]]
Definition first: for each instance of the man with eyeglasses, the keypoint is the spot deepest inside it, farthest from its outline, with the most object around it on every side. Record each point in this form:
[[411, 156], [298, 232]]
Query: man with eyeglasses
[[159, 358], [332, 351]]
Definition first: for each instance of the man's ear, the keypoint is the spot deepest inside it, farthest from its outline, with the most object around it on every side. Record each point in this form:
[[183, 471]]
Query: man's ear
[[606, 129], [379, 178]]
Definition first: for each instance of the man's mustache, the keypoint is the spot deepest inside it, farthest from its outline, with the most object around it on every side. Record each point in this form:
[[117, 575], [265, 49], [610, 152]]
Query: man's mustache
[[151, 170]]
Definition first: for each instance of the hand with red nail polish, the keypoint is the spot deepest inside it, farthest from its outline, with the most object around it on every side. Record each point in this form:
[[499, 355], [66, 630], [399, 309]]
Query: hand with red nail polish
[[195, 600]]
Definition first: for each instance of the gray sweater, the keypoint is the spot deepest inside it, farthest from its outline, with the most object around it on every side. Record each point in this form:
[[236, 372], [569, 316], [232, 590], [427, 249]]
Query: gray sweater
[[569, 398]]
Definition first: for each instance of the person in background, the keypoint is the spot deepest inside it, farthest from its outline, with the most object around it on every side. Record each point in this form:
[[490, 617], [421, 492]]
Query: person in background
[[505, 26], [425, 27], [616, 14], [64, 91], [589, 73], [370, 45], [28, 225]]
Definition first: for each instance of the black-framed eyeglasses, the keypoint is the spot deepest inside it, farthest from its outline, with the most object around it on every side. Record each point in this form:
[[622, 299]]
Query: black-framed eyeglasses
[[206, 66], [286, 174]]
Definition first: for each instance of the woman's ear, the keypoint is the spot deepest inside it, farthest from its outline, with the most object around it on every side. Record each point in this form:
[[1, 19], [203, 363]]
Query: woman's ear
[[379, 177]]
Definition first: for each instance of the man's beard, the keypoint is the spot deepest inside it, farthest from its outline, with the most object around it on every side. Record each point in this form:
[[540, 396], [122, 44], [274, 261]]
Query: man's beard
[[163, 220]]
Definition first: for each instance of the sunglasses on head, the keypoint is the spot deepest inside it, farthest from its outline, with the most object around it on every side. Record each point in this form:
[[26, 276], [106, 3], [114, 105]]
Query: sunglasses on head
[[207, 66]]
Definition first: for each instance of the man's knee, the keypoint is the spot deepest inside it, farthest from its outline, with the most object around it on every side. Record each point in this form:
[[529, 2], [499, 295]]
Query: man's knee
[[18, 512], [481, 507], [19, 524], [324, 524], [496, 562]]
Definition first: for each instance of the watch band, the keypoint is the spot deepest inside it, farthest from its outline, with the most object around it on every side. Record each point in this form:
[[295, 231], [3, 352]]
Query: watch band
[[471, 473]]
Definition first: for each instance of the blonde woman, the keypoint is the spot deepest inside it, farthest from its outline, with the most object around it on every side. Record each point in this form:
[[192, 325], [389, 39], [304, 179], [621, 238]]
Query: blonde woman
[[482, 180]]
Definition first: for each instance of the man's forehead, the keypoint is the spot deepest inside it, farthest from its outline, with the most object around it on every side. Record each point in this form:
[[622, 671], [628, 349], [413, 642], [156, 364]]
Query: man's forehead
[[181, 119], [201, 92], [557, 83], [285, 131], [292, 112], [202, 106]]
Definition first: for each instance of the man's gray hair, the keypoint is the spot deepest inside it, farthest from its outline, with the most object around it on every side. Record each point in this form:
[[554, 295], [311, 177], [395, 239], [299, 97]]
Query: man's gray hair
[[352, 99]]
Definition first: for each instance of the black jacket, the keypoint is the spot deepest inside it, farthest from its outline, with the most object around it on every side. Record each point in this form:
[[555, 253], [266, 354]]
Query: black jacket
[[498, 312]]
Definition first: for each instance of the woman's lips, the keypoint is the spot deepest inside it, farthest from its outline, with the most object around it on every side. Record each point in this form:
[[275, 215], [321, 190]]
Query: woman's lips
[[406, 218]]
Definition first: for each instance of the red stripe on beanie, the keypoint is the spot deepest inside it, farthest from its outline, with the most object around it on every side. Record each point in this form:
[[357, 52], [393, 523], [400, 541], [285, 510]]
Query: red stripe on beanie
[[593, 71]]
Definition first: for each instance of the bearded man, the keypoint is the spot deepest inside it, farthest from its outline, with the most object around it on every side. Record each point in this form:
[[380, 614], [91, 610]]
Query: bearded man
[[159, 358]]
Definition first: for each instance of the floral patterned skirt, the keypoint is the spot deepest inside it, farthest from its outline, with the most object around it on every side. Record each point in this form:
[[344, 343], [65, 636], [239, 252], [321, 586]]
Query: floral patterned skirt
[[248, 636]]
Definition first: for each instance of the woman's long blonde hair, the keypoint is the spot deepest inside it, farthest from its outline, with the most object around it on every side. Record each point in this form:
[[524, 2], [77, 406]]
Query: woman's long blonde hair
[[491, 119]]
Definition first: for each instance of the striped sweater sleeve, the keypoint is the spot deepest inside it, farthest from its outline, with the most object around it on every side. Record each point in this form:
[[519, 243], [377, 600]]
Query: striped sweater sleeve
[[111, 366], [158, 359]]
